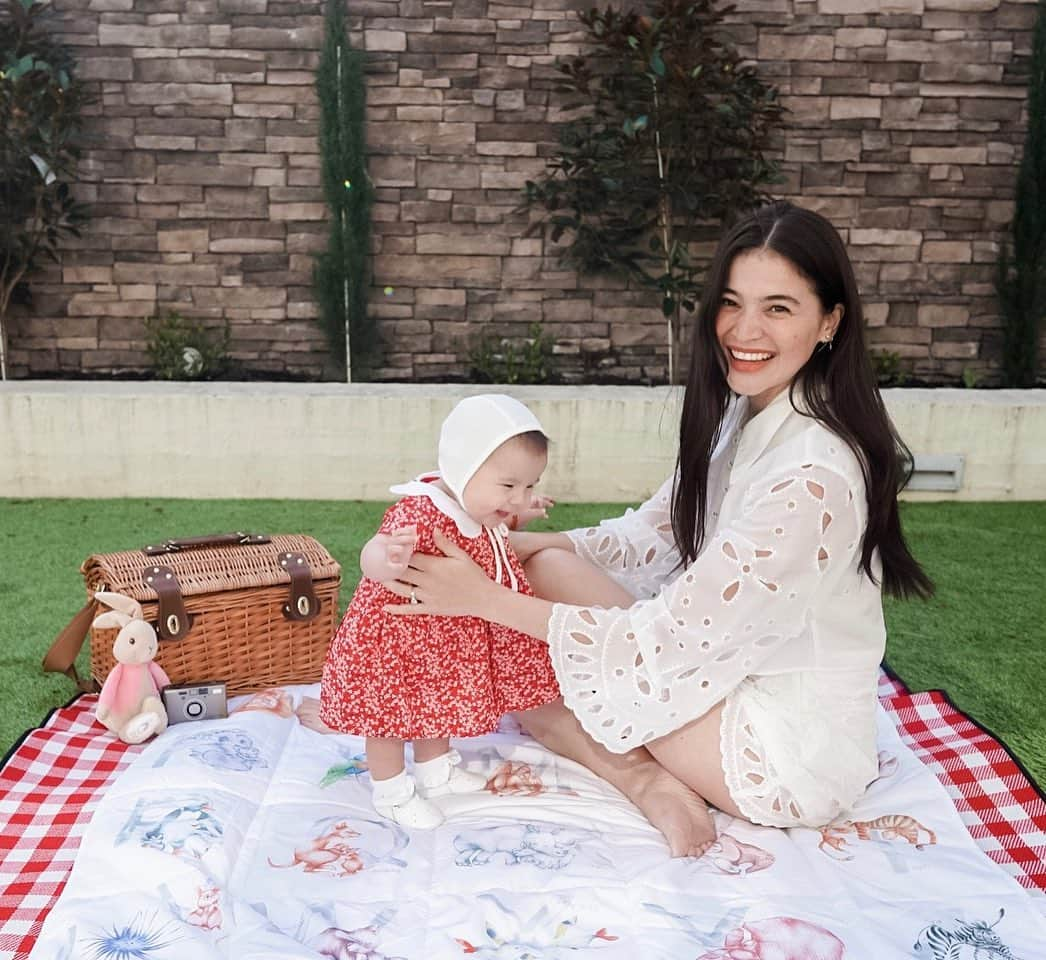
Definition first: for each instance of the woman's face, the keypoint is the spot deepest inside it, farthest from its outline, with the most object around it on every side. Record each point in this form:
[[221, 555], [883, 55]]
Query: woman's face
[[769, 323]]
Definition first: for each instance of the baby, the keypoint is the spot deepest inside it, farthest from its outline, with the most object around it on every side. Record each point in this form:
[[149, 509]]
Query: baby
[[426, 679]]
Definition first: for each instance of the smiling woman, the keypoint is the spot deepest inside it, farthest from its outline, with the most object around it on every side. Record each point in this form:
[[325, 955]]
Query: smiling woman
[[723, 641]]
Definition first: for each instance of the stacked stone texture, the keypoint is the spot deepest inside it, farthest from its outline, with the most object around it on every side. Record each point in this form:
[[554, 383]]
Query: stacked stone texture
[[905, 126]]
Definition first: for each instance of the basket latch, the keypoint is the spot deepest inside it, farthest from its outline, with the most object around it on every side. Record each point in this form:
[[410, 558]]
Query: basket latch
[[302, 604], [173, 623]]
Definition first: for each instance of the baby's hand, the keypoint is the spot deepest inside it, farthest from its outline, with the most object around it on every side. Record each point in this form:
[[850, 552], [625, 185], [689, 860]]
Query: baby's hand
[[399, 545], [538, 509]]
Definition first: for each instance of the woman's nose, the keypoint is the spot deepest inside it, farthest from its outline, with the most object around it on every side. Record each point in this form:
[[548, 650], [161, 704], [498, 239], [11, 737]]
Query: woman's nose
[[748, 324]]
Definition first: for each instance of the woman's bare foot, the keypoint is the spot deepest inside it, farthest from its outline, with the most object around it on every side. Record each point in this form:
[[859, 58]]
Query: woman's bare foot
[[680, 814], [309, 715]]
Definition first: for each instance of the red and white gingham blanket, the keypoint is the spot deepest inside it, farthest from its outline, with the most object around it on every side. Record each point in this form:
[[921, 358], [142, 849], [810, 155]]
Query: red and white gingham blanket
[[56, 776]]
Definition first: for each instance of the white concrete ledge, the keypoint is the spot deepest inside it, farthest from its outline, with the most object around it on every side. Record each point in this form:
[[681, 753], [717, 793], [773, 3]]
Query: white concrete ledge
[[342, 442]]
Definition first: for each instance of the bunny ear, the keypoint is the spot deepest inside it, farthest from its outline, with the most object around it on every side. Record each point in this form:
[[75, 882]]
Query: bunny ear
[[126, 605], [111, 618]]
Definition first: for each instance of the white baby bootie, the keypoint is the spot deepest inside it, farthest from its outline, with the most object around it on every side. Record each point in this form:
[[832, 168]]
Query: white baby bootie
[[443, 775], [396, 799]]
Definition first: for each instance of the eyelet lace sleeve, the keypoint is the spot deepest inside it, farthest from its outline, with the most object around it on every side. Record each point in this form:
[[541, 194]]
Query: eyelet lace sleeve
[[638, 548], [631, 675]]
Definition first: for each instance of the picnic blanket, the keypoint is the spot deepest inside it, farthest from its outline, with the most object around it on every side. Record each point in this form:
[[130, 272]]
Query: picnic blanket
[[253, 837]]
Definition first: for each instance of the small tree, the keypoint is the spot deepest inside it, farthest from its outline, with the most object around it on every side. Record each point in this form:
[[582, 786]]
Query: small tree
[[1021, 280], [673, 136], [40, 105], [341, 276]]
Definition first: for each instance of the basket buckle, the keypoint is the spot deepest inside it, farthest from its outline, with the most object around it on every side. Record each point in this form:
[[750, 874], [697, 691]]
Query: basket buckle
[[173, 623], [302, 603]]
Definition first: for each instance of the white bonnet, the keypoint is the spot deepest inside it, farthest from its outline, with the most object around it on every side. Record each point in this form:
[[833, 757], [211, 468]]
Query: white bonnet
[[473, 430]]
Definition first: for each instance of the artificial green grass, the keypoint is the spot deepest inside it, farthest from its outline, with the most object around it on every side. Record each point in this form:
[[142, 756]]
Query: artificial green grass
[[981, 638]]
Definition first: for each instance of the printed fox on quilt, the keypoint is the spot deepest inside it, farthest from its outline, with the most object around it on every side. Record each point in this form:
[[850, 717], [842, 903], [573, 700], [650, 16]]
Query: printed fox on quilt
[[254, 837]]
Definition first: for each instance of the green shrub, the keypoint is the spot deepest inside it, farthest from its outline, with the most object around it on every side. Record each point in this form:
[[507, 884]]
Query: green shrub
[[524, 360], [889, 369], [342, 275], [182, 349], [1021, 277], [672, 137], [40, 118]]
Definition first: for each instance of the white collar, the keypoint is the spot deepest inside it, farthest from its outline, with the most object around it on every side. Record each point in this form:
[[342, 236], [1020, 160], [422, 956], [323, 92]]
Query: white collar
[[759, 432], [422, 486]]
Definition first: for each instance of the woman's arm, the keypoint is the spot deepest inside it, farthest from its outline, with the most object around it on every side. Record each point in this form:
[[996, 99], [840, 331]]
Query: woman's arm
[[632, 675], [454, 585], [638, 548]]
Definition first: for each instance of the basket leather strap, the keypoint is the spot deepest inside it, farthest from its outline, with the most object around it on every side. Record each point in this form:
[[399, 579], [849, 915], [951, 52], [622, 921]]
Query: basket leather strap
[[302, 604], [172, 621], [61, 657]]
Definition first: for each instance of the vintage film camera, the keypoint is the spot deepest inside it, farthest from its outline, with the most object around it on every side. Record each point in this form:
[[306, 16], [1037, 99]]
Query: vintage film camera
[[194, 701]]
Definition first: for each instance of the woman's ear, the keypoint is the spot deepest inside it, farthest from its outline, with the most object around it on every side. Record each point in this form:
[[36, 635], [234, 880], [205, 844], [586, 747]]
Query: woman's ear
[[831, 323]]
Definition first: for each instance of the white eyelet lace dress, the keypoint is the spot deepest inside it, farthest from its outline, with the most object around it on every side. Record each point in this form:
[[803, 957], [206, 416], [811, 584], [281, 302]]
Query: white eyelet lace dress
[[774, 617]]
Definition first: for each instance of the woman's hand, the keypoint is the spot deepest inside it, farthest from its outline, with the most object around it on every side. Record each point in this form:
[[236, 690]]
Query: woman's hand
[[453, 585]]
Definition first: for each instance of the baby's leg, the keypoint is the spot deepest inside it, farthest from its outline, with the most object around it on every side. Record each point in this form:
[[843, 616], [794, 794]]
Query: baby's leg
[[384, 757], [394, 794], [425, 750], [437, 770]]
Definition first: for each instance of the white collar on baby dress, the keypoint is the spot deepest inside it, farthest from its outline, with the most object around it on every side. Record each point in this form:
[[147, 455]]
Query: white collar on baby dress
[[422, 486]]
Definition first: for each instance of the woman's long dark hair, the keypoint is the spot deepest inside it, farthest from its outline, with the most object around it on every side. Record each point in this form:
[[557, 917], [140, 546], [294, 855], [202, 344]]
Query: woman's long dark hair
[[838, 388]]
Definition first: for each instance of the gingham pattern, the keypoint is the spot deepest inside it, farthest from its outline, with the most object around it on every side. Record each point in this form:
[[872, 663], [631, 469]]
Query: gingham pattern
[[48, 789], [1001, 808], [54, 779], [890, 685]]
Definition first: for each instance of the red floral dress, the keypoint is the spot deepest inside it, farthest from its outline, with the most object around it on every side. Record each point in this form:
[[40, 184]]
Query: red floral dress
[[426, 677]]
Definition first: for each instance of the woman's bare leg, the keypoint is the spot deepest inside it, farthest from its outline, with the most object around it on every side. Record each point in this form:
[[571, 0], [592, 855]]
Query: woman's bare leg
[[308, 713], [673, 804], [685, 753]]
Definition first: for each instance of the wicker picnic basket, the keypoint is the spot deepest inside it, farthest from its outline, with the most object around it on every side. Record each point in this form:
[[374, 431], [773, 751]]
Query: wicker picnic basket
[[248, 609]]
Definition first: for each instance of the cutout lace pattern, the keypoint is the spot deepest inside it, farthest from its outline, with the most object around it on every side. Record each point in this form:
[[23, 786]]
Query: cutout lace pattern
[[633, 675], [754, 784], [637, 549]]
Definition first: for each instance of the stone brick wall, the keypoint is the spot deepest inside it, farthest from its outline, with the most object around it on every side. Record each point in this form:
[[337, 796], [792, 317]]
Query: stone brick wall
[[905, 127]]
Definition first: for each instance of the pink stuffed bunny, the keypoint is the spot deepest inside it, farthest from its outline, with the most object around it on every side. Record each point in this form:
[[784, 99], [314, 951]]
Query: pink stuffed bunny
[[129, 704]]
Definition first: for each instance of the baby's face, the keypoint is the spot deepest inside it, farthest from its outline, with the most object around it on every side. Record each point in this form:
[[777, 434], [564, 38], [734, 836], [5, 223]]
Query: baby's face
[[505, 482]]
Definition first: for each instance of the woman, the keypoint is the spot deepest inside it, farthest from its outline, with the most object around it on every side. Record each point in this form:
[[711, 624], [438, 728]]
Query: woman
[[722, 642]]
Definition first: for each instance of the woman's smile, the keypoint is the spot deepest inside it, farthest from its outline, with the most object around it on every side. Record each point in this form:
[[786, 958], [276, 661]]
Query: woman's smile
[[748, 361]]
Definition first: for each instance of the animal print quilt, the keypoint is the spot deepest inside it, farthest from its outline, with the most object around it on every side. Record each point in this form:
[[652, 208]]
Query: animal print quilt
[[253, 838]]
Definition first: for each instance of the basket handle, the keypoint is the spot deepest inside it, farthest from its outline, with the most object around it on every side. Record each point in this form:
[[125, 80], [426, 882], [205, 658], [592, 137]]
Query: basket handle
[[237, 539], [61, 657]]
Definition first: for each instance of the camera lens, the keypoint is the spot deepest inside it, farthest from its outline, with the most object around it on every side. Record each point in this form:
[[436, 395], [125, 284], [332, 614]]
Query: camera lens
[[193, 709]]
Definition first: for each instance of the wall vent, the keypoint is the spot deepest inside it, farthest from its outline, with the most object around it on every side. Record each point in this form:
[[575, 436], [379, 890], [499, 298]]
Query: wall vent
[[937, 472]]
